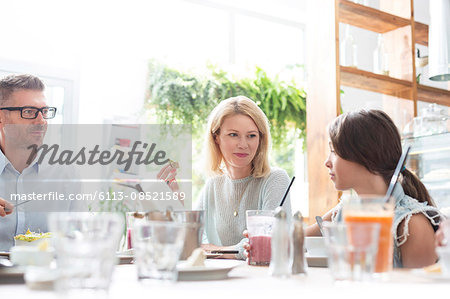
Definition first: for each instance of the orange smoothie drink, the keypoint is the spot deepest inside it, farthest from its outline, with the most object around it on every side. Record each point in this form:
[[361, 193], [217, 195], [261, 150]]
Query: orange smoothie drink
[[374, 209], [385, 241]]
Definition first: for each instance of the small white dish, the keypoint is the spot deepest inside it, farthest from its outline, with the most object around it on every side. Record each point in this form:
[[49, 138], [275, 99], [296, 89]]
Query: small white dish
[[213, 270], [315, 246]]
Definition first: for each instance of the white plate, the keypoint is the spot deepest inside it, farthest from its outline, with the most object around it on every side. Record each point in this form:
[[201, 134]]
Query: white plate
[[431, 275], [213, 270]]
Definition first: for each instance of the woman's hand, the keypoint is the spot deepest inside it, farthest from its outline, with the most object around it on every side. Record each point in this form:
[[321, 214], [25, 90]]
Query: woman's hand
[[6, 208], [168, 174], [246, 246]]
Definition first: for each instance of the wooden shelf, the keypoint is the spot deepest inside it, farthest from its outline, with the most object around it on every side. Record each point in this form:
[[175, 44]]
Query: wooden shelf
[[357, 78], [421, 33], [377, 21], [361, 79], [433, 95]]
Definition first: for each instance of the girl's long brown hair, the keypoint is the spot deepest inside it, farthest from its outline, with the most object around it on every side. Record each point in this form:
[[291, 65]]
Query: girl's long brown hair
[[370, 138]]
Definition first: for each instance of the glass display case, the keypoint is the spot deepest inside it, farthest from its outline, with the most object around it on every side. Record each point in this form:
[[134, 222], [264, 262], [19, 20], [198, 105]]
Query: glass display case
[[429, 158]]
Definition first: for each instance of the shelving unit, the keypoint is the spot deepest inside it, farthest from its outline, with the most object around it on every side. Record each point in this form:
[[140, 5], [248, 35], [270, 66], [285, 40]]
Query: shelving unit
[[401, 33], [382, 22], [361, 79], [378, 21]]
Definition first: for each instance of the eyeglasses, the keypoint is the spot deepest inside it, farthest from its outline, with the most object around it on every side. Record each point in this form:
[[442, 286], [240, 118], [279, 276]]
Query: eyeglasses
[[29, 112]]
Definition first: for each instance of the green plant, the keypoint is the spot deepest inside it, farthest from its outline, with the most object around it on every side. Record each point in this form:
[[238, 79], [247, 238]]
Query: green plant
[[180, 97]]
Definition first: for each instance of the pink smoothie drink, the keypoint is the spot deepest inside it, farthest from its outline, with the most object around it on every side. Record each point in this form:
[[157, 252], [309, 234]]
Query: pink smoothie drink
[[260, 250], [259, 227], [129, 243]]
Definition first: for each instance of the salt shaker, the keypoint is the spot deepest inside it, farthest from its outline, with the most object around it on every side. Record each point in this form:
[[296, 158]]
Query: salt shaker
[[298, 251], [280, 260]]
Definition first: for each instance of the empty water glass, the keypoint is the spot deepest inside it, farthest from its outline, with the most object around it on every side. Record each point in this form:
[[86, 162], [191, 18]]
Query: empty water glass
[[85, 246], [157, 249], [352, 249]]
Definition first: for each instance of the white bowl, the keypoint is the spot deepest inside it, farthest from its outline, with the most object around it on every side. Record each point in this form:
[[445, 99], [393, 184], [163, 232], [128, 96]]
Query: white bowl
[[315, 246], [31, 256]]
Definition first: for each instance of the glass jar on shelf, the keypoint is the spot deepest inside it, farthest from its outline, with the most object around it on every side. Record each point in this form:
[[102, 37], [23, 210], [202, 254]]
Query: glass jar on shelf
[[348, 49], [380, 58], [432, 121]]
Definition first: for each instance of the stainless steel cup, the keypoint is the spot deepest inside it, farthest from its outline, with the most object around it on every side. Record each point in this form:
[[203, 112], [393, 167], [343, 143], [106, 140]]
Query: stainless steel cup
[[194, 222]]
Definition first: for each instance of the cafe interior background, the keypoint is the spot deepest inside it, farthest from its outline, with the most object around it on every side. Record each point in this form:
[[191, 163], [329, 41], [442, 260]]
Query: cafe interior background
[[100, 61]]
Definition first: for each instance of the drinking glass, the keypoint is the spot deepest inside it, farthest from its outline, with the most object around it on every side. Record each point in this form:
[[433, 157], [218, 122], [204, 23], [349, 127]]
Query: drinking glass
[[157, 249], [259, 227], [85, 246], [374, 209], [352, 249]]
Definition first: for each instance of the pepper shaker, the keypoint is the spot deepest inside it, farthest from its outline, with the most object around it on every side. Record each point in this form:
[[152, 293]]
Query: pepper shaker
[[298, 237]]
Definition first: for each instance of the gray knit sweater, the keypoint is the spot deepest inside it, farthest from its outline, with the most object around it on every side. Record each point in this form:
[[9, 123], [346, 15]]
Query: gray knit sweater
[[222, 196]]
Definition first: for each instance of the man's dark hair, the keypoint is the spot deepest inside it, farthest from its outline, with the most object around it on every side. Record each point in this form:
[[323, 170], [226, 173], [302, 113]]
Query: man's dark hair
[[12, 83]]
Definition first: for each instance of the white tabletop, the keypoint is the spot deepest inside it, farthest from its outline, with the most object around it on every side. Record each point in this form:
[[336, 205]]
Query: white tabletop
[[254, 282]]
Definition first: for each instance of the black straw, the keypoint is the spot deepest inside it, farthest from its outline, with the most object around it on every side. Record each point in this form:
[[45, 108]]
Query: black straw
[[287, 191]]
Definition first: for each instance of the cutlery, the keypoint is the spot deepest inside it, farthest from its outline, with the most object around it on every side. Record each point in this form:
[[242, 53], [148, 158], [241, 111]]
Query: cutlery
[[394, 178], [224, 252], [18, 204], [319, 221]]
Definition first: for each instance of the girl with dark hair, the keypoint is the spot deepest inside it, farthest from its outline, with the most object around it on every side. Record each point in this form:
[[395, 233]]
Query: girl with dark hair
[[365, 147]]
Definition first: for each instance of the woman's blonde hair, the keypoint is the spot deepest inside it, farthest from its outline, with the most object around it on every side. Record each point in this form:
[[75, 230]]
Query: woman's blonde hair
[[230, 107]]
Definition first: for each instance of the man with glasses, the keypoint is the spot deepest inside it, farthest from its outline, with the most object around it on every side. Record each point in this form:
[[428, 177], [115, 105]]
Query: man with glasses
[[23, 122]]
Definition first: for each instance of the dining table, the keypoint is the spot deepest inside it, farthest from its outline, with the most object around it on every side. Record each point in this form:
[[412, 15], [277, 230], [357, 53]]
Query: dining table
[[245, 281]]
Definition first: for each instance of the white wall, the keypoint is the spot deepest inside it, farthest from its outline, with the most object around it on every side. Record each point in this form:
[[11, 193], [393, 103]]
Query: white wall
[[108, 43]]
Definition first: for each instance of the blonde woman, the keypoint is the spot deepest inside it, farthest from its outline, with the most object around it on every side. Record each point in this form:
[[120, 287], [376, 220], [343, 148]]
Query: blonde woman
[[237, 156]]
